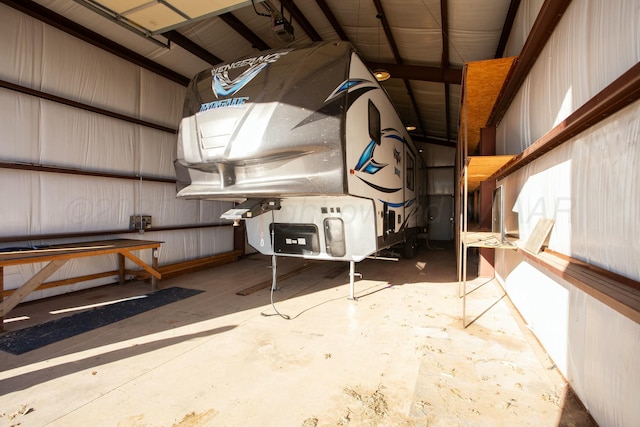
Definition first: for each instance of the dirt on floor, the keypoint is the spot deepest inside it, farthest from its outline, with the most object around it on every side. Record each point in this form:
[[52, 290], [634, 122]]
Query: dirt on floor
[[396, 356]]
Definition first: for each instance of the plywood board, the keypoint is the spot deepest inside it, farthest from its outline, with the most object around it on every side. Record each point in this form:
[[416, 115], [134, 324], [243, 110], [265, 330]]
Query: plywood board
[[482, 85], [540, 235], [480, 168]]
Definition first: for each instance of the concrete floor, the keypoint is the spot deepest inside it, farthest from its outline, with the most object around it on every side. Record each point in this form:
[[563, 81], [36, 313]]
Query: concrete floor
[[397, 356]]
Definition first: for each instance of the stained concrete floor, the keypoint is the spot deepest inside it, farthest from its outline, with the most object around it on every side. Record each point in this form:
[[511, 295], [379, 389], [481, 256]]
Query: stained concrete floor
[[397, 356]]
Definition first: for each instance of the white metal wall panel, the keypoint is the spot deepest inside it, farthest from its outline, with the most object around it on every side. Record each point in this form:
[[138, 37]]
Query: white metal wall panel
[[18, 215], [44, 132], [438, 155], [525, 17], [72, 137], [74, 69], [594, 43], [156, 153], [20, 141], [161, 100], [589, 186], [20, 35], [594, 346]]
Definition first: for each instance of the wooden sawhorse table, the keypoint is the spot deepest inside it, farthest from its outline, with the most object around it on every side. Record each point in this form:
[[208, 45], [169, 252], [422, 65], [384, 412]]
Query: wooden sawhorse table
[[58, 255]]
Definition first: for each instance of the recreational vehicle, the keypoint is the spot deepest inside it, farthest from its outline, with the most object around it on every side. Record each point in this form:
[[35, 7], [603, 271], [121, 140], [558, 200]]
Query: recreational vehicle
[[310, 146]]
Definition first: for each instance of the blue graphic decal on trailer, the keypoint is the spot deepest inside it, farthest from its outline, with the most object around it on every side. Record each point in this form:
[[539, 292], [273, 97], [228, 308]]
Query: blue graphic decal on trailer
[[333, 104], [366, 160], [406, 203], [222, 85], [345, 86]]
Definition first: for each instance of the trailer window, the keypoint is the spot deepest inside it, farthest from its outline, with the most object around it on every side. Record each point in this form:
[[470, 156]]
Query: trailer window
[[410, 171], [375, 130]]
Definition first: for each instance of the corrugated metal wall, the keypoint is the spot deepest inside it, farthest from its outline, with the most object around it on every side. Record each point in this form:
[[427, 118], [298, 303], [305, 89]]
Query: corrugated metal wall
[[42, 132], [589, 186]]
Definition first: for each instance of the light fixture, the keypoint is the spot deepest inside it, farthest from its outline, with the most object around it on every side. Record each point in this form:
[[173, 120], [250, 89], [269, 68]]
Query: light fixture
[[381, 75], [410, 128]]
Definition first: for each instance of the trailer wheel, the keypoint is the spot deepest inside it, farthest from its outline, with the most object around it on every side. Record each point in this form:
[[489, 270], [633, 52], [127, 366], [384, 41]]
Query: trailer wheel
[[410, 248]]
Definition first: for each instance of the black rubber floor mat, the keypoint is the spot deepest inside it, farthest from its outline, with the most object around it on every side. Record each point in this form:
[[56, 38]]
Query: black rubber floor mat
[[34, 337]]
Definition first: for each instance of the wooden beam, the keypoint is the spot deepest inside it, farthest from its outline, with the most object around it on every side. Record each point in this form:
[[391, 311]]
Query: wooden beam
[[155, 273], [96, 233], [191, 265], [14, 299], [64, 282]]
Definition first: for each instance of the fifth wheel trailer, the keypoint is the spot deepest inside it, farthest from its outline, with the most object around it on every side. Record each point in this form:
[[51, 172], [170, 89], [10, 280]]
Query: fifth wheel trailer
[[309, 144]]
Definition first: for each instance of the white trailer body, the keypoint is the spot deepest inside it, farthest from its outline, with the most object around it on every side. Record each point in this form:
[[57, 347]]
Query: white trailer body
[[309, 144]]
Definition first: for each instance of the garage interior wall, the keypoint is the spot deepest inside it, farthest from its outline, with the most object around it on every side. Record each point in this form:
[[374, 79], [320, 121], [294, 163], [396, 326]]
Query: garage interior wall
[[590, 187], [41, 132], [440, 164]]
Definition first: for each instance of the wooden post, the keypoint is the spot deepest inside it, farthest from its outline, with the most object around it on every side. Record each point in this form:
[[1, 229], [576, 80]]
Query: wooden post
[[121, 268], [238, 237], [1, 298], [154, 265]]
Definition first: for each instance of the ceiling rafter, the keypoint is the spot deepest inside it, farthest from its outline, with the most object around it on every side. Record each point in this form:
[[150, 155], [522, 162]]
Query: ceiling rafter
[[244, 31], [332, 20], [175, 37], [396, 55], [444, 19], [301, 20], [506, 28]]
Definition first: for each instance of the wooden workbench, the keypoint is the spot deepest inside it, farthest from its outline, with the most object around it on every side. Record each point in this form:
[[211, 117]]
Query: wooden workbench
[[58, 255]]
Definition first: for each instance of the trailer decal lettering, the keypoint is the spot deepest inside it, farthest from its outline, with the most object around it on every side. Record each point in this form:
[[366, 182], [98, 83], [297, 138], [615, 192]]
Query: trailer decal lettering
[[231, 102], [223, 85]]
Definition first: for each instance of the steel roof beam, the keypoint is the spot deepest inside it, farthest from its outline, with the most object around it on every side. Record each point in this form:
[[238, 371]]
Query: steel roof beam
[[244, 31], [322, 4]]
